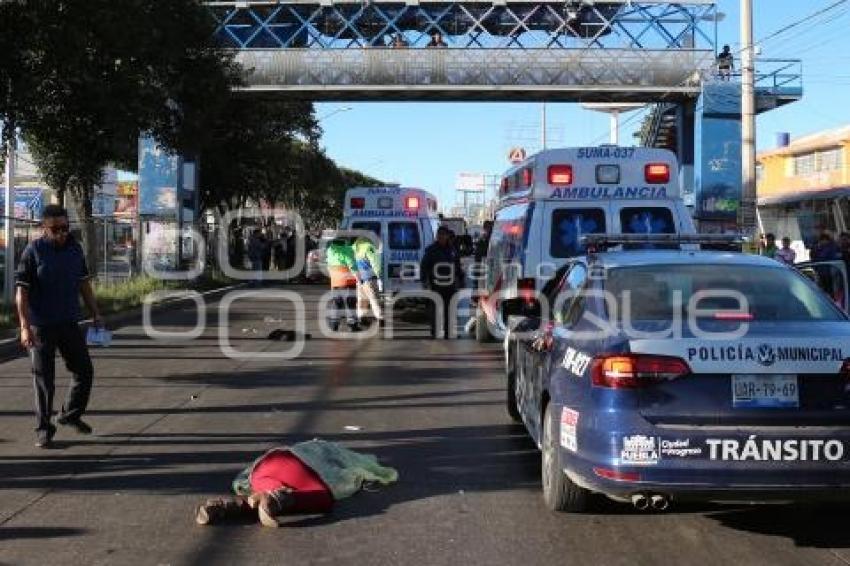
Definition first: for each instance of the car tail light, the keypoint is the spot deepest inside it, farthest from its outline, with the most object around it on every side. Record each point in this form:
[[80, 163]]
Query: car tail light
[[560, 174], [358, 202], [657, 173], [616, 475], [411, 203], [525, 288], [630, 371]]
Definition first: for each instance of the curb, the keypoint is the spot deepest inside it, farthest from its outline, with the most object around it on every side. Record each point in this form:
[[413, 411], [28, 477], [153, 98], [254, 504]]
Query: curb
[[10, 347]]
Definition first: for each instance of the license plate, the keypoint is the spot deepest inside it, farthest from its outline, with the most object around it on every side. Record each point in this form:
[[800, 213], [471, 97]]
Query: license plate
[[770, 391]]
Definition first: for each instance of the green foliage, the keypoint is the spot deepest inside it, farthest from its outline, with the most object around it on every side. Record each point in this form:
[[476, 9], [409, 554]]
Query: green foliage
[[84, 78], [267, 150], [91, 75]]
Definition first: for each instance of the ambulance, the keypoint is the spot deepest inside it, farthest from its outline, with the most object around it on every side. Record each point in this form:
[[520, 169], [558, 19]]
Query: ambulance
[[404, 222], [548, 202]]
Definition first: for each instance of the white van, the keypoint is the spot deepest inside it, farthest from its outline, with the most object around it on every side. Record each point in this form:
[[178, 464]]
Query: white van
[[405, 220], [553, 198]]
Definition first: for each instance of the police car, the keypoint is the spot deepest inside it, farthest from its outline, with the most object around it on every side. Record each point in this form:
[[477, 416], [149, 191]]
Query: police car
[[655, 376], [404, 222], [551, 200]]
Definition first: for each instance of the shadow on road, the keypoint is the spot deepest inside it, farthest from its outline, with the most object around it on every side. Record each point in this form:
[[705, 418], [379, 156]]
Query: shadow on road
[[15, 533], [818, 526]]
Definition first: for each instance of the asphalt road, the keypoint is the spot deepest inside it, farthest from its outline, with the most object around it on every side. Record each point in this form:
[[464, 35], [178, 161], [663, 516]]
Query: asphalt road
[[176, 420]]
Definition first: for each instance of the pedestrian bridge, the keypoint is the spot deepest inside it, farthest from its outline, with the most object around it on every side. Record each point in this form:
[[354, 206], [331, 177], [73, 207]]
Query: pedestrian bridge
[[573, 50]]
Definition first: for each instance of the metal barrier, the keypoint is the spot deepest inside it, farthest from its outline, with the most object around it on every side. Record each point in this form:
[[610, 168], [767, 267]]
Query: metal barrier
[[117, 254]]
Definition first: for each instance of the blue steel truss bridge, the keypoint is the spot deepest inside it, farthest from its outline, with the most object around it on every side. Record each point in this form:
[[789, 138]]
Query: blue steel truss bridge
[[574, 50]]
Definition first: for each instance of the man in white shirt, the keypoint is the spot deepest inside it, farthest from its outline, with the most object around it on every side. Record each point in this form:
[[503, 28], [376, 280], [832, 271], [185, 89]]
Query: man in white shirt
[[785, 254]]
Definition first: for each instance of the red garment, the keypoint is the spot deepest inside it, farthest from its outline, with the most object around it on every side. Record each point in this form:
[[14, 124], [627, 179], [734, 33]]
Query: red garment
[[283, 469]]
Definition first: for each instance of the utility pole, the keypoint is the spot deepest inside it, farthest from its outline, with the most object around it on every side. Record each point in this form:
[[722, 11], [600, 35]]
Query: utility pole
[[9, 225], [543, 127], [747, 212], [615, 127]]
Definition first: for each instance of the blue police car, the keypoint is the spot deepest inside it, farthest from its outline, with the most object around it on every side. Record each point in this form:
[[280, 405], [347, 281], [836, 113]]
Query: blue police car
[[653, 376]]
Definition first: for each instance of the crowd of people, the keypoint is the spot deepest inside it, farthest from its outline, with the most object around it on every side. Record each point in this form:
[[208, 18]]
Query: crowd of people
[[824, 248], [268, 248], [399, 41]]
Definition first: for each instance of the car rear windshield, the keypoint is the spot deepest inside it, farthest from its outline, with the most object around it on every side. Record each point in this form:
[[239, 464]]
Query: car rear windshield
[[771, 293], [404, 236], [569, 225]]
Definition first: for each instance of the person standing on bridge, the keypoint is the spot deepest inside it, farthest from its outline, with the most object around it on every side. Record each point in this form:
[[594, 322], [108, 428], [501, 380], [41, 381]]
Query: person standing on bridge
[[436, 40], [725, 63], [441, 272], [50, 278]]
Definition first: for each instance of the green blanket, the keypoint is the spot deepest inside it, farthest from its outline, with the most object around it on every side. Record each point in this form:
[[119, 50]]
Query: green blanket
[[343, 471]]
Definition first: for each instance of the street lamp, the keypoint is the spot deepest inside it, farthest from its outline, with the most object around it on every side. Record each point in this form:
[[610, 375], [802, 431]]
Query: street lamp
[[332, 112]]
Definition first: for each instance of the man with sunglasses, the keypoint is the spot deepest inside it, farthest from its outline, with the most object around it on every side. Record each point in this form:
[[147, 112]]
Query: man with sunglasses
[[50, 278]]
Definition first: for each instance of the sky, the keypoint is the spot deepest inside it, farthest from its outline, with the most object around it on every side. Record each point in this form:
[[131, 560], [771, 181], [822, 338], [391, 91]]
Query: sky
[[427, 144]]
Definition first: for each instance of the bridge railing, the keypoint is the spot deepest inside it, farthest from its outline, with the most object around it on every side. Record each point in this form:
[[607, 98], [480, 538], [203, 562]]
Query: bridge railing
[[777, 81], [772, 76], [466, 24], [626, 73]]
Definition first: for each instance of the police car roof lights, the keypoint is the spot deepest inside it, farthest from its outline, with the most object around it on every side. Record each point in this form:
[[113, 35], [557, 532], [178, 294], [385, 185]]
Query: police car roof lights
[[602, 241]]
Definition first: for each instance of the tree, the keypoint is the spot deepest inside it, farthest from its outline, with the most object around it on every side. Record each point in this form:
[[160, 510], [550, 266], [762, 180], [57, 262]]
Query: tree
[[97, 73], [267, 151], [253, 152]]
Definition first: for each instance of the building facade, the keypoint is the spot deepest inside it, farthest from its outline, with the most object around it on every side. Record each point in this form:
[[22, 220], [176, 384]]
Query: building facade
[[804, 187]]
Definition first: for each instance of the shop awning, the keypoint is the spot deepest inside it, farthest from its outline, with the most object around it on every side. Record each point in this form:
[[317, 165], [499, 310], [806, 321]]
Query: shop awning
[[822, 194]]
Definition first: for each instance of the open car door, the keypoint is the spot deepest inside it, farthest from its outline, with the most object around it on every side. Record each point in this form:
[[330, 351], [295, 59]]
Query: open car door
[[831, 276]]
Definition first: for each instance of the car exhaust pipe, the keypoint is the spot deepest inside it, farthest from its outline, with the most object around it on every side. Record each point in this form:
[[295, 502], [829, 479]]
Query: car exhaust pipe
[[659, 502], [640, 502]]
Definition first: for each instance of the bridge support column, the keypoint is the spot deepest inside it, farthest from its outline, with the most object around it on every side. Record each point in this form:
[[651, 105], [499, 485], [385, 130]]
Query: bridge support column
[[685, 116], [717, 158]]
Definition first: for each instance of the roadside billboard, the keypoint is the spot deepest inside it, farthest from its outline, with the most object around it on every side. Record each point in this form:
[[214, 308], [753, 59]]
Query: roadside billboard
[[29, 202], [127, 200], [159, 181]]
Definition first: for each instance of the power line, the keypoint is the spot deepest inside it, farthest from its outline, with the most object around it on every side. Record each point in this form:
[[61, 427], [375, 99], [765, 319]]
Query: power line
[[803, 20]]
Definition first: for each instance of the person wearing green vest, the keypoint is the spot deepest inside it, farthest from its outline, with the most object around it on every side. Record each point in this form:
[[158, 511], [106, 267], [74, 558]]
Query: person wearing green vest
[[341, 268], [368, 277]]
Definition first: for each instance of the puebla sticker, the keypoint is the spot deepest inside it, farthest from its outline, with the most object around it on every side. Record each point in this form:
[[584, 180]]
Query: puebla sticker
[[639, 450]]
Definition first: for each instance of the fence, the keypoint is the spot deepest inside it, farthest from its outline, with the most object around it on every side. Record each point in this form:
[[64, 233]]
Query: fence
[[117, 254]]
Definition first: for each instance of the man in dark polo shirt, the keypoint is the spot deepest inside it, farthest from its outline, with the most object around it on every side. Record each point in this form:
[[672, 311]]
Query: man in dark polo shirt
[[50, 278]]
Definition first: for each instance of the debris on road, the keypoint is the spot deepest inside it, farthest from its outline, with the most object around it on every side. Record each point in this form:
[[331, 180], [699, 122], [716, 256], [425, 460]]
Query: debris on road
[[287, 335]]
